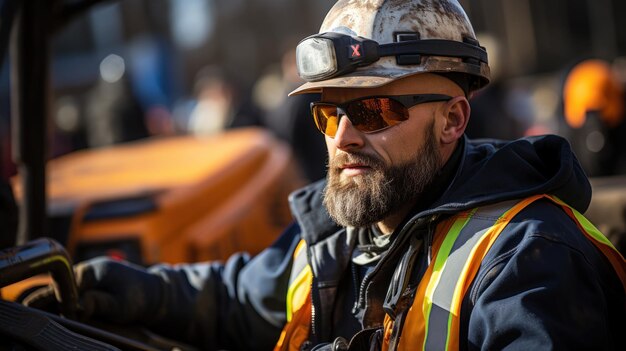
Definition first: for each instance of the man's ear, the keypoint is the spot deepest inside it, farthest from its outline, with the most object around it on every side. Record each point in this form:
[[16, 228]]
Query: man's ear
[[456, 113]]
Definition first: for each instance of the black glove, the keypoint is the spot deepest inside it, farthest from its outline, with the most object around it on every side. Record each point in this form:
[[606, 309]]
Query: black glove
[[116, 291]]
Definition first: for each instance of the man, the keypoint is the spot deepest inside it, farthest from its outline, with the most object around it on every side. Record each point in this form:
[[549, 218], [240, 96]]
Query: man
[[419, 238]]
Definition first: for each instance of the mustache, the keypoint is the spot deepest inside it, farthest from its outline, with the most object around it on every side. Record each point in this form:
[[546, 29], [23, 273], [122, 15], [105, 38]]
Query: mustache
[[361, 158]]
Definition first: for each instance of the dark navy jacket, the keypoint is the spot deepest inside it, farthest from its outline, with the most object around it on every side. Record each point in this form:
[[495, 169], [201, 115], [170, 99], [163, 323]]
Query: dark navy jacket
[[542, 286]]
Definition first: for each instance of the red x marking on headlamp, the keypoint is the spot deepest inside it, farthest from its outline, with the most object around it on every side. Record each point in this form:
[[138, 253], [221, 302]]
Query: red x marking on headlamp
[[356, 50]]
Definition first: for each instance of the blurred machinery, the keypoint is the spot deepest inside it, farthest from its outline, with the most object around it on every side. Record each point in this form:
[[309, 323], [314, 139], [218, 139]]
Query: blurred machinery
[[178, 199]]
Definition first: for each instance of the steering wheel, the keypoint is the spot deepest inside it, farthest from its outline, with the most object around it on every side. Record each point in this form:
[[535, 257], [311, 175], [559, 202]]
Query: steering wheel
[[24, 328]]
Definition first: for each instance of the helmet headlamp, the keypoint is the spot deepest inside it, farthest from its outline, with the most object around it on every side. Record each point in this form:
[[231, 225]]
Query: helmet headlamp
[[327, 55]]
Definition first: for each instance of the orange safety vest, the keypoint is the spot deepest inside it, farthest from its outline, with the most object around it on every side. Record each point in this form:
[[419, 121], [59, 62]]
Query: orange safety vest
[[457, 255], [299, 307]]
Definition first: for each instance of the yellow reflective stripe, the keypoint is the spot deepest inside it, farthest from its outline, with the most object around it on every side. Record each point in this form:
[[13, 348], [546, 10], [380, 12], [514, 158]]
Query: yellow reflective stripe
[[439, 265], [47, 260], [483, 245], [591, 229], [298, 302], [472, 264], [584, 222], [295, 294], [598, 239]]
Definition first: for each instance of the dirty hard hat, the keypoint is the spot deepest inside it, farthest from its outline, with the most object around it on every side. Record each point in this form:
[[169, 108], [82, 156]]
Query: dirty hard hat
[[369, 43]]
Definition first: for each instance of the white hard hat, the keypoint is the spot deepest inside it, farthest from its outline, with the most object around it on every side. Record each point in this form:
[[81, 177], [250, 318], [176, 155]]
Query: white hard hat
[[369, 43]]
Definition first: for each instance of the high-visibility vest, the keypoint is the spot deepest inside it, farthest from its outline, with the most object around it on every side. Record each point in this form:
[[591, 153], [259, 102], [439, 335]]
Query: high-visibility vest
[[460, 244], [299, 307]]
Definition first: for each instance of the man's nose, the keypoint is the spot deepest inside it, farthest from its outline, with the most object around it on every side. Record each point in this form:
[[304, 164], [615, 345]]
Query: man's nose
[[347, 136]]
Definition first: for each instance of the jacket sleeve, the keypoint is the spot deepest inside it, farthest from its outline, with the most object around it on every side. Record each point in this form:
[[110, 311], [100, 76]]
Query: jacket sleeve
[[236, 305], [546, 287]]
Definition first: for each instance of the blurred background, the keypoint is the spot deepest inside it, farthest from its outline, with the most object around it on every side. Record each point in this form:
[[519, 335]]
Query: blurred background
[[152, 69], [135, 68]]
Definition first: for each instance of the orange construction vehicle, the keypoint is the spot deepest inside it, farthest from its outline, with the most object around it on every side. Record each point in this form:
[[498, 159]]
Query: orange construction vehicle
[[178, 199]]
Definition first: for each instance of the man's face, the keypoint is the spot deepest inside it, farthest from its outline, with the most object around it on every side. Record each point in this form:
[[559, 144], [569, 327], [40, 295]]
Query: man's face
[[377, 175]]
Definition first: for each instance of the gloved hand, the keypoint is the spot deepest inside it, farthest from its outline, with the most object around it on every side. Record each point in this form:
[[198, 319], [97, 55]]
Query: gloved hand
[[116, 291], [364, 340], [339, 344]]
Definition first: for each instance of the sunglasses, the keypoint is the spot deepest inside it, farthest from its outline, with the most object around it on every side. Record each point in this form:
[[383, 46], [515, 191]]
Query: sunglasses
[[369, 114]]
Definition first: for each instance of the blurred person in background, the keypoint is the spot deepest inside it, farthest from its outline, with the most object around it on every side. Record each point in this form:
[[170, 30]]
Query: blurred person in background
[[113, 113], [290, 120], [154, 81], [594, 117], [218, 104], [499, 111], [215, 106], [418, 238]]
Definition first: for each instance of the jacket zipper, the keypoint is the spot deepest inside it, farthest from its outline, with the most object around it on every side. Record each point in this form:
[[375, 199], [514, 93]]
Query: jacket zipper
[[313, 332], [355, 280], [398, 324], [314, 301], [429, 240], [368, 277]]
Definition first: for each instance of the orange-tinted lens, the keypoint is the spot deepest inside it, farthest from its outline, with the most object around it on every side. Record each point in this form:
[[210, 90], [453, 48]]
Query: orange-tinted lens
[[326, 118], [367, 115], [374, 114]]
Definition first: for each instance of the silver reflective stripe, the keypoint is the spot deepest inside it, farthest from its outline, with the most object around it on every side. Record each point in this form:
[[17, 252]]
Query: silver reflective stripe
[[299, 263], [470, 234]]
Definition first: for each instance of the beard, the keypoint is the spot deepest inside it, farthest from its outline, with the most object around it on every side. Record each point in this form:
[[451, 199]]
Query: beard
[[363, 200]]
